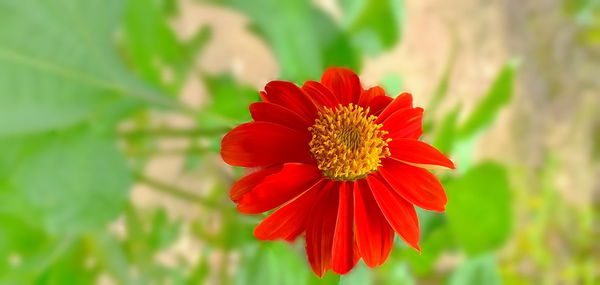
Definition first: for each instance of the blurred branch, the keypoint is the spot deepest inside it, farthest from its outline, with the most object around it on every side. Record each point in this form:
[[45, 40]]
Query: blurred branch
[[186, 195], [142, 153], [167, 132]]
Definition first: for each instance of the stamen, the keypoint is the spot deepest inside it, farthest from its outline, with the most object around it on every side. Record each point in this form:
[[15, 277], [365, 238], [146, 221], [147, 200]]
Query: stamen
[[347, 143]]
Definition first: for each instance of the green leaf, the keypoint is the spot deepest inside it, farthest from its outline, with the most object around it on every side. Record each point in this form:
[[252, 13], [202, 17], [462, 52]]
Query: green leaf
[[431, 248], [399, 274], [375, 25], [110, 254], [497, 96], [58, 65], [150, 41], [69, 268], [304, 39], [152, 47], [229, 102], [163, 232], [360, 275], [480, 270], [445, 137], [69, 181], [274, 263], [479, 208], [392, 84]]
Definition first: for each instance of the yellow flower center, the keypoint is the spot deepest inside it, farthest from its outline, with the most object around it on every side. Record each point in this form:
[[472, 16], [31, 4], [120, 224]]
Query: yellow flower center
[[347, 143]]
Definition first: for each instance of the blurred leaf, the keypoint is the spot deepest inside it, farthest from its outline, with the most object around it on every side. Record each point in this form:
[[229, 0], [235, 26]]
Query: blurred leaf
[[431, 248], [429, 222], [72, 267], [497, 96], [22, 245], [392, 84], [584, 11], [463, 154], [200, 270], [110, 254], [153, 47], [399, 274], [232, 222], [58, 65], [360, 275], [441, 90], [229, 102], [163, 232], [375, 25], [330, 278], [274, 263], [304, 39], [476, 271], [149, 39], [445, 136], [479, 208], [72, 181]]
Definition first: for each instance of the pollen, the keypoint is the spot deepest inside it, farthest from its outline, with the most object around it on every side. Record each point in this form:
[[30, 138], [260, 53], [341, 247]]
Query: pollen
[[347, 143]]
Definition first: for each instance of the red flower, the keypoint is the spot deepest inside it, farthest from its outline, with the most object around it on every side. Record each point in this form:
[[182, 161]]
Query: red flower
[[343, 164]]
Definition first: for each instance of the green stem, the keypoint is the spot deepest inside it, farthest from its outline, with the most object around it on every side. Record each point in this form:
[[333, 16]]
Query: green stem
[[167, 132], [174, 191]]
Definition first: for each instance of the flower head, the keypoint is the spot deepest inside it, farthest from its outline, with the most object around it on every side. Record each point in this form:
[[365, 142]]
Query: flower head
[[340, 164]]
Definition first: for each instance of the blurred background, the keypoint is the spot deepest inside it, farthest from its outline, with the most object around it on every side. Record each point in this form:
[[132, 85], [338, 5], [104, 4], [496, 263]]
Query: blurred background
[[111, 115]]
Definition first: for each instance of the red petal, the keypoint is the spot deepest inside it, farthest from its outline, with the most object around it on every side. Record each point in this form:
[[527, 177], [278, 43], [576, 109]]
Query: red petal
[[320, 94], [344, 256], [374, 236], [320, 229], [399, 213], [263, 144], [366, 96], [248, 182], [269, 112], [289, 221], [290, 96], [403, 100], [344, 84], [414, 184], [276, 189], [405, 123], [418, 153], [378, 104]]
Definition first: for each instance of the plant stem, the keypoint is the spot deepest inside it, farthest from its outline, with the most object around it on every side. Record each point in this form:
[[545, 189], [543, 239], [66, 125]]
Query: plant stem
[[182, 194], [167, 132]]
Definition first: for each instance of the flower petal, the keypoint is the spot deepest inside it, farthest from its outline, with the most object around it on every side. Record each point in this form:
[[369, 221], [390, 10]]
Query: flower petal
[[278, 188], [403, 100], [414, 184], [378, 104], [269, 112], [343, 83], [374, 236], [405, 123], [320, 229], [248, 182], [263, 144], [320, 95], [366, 96], [399, 213], [290, 96], [375, 99], [418, 153], [289, 221], [344, 255]]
